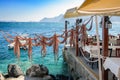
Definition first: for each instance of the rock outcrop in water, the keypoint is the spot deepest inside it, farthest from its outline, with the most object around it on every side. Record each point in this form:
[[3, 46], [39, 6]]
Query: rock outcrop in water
[[37, 71], [14, 70], [2, 77]]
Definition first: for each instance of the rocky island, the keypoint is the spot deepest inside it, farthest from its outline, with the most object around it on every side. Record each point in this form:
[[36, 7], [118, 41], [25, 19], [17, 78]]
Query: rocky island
[[35, 72]]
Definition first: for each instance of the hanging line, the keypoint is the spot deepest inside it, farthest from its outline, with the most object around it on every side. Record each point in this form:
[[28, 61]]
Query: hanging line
[[89, 20], [88, 29], [87, 58], [92, 61]]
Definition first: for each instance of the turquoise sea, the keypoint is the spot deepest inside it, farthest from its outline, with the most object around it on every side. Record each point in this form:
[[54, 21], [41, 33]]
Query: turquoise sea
[[31, 28]]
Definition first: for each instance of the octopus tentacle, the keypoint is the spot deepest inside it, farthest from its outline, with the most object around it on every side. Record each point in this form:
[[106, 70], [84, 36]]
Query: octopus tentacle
[[17, 47], [72, 37], [55, 45], [43, 45], [29, 48], [84, 35]]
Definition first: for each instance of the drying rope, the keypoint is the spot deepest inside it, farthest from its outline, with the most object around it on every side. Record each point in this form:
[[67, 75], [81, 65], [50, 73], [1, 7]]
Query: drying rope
[[88, 20], [87, 58], [90, 25]]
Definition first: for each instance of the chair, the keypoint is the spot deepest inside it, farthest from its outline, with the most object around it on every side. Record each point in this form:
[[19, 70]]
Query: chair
[[109, 51], [118, 42], [117, 52]]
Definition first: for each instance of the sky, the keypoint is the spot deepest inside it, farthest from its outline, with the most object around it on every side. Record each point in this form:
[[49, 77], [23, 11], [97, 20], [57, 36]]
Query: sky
[[34, 10]]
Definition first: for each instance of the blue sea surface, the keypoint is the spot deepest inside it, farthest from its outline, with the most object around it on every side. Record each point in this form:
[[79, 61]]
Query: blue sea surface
[[31, 28], [46, 29]]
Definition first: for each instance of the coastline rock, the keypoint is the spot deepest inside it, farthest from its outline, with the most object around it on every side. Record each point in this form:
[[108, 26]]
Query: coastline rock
[[6, 75], [2, 77], [61, 77], [37, 71], [18, 78], [14, 70], [53, 77], [47, 78]]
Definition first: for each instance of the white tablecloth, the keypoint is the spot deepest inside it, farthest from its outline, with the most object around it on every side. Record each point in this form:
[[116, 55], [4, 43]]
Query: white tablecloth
[[93, 50], [114, 65], [113, 47]]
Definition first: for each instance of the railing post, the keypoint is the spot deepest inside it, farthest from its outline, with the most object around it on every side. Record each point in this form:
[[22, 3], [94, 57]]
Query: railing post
[[104, 45], [66, 22], [77, 28]]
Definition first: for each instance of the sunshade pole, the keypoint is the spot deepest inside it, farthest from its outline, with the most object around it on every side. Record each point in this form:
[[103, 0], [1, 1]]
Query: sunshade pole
[[104, 45], [98, 45], [66, 22], [77, 28]]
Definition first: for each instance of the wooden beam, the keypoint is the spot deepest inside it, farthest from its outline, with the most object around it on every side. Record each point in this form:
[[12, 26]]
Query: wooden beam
[[104, 45], [66, 22], [77, 28]]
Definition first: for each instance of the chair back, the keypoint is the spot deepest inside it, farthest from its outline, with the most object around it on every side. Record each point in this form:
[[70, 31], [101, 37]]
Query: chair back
[[117, 52], [118, 42]]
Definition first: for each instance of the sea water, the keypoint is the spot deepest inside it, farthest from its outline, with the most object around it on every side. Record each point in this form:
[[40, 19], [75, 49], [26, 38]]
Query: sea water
[[45, 29], [31, 28]]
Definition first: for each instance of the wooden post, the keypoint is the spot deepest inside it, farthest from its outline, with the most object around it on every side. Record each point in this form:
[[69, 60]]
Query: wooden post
[[66, 22], [104, 45], [77, 28]]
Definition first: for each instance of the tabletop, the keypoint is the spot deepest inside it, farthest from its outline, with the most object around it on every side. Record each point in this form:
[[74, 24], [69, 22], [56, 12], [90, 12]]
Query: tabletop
[[93, 50], [113, 64]]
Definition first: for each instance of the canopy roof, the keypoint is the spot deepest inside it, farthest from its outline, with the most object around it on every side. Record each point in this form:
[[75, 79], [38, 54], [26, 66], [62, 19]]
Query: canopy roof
[[100, 7], [95, 7], [71, 13]]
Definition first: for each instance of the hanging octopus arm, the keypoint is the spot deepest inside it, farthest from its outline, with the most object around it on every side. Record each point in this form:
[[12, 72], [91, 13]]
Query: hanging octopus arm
[[55, 45], [6, 35], [82, 33], [22, 38], [47, 38], [43, 45], [40, 42], [9, 35], [36, 41], [84, 30], [18, 53], [65, 37], [29, 43], [49, 41], [72, 34], [17, 47], [62, 35], [8, 40]]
